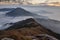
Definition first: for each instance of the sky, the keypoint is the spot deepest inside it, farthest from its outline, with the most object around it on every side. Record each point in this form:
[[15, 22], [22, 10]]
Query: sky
[[36, 1], [42, 1], [45, 0]]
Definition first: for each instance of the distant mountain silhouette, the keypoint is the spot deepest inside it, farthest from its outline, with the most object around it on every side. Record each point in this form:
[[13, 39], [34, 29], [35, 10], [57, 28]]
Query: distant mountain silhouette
[[6, 9], [19, 12]]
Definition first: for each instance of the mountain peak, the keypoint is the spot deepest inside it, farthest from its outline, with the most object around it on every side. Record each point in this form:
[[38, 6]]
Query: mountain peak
[[18, 12], [26, 28]]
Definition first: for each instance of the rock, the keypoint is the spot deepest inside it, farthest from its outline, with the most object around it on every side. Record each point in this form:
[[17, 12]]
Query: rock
[[7, 39]]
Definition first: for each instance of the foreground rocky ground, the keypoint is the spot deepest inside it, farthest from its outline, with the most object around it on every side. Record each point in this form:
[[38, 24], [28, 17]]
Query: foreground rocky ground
[[27, 30]]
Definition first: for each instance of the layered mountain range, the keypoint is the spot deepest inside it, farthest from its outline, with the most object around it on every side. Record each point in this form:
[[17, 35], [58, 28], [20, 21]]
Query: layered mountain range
[[28, 29]]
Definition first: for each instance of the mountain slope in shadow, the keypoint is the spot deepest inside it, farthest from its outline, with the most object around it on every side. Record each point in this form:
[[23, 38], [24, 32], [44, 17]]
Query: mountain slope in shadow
[[19, 12], [25, 23]]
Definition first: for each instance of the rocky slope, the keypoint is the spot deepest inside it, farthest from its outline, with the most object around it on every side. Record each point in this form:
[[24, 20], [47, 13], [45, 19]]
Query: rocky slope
[[27, 30]]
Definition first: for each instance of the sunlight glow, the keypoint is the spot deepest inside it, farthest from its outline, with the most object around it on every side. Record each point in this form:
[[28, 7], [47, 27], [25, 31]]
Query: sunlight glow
[[34, 1]]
